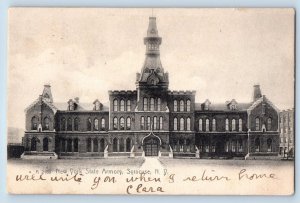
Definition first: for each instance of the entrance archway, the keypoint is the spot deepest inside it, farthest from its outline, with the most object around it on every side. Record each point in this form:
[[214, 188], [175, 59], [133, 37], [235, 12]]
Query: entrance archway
[[151, 146]]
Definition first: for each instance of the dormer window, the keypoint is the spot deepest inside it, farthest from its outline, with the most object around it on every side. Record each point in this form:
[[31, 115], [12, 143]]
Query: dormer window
[[207, 105], [97, 105]]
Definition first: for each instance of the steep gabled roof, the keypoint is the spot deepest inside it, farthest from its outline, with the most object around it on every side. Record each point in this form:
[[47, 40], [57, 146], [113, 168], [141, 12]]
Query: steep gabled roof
[[259, 101], [51, 106]]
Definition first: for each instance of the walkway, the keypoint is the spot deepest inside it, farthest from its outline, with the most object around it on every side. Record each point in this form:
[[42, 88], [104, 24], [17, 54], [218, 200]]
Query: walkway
[[152, 163]]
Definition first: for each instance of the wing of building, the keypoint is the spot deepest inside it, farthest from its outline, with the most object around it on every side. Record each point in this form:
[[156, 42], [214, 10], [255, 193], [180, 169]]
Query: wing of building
[[151, 121]]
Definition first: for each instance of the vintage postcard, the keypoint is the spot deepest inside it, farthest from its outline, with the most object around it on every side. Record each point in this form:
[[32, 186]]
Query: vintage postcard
[[148, 101]]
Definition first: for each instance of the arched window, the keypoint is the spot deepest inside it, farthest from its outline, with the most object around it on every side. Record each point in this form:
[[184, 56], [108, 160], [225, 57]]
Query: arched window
[[115, 123], [96, 124], [95, 145], [175, 124], [45, 144], [240, 145], [89, 145], [148, 123], [188, 124], [63, 124], [34, 123], [102, 145], [214, 125], [269, 144], [115, 145], [46, 123], [257, 145], [69, 145], [69, 125], [128, 145], [128, 105], [89, 124], [33, 144], [63, 147], [76, 145], [200, 125], [151, 104], [121, 145], [115, 108], [207, 125], [154, 123], [175, 105], [128, 123], [240, 125], [76, 124], [269, 125], [181, 124], [257, 124], [160, 122], [233, 125], [227, 124], [122, 123], [188, 105], [142, 123], [145, 104], [102, 124], [158, 104], [181, 105], [122, 105]]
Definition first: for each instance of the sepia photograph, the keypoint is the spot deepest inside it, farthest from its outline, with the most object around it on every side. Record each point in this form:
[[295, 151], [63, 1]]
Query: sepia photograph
[[151, 101]]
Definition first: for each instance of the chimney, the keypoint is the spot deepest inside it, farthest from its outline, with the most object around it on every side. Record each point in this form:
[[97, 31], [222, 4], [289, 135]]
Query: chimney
[[47, 95], [256, 93]]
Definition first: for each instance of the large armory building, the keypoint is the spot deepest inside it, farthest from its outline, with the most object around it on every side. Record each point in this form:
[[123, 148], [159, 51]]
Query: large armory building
[[151, 121]]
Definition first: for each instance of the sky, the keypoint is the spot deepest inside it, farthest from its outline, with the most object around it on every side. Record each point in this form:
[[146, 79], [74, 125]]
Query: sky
[[220, 53]]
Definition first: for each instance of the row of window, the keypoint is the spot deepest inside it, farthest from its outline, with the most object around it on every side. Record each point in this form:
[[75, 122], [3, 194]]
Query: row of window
[[148, 123], [121, 106], [120, 124], [258, 125], [34, 123], [73, 124], [183, 106], [153, 105], [233, 123], [184, 124]]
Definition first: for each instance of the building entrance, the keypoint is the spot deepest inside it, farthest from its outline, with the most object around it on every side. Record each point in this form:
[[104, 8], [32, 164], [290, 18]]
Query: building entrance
[[151, 146]]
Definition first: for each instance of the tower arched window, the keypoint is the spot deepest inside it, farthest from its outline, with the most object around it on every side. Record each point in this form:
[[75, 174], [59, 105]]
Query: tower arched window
[[181, 124], [158, 104], [175, 105], [128, 105], [69, 124], [46, 123], [214, 128], [115, 105], [160, 122], [227, 124], [128, 123], [269, 124], [115, 123], [200, 125], [148, 123], [233, 125], [257, 124], [76, 124], [96, 124], [34, 123], [175, 124], [240, 125], [102, 124], [207, 125], [89, 124], [122, 105], [122, 123], [142, 123], [151, 104], [181, 105], [188, 105], [154, 123], [145, 107], [188, 124]]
